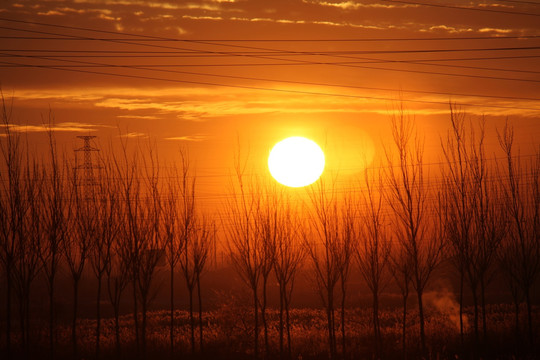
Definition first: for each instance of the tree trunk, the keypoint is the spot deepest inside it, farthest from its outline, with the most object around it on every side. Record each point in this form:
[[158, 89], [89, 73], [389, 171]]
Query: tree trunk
[[419, 293], [201, 338], [288, 324], [27, 305], [256, 330], [144, 305], [171, 325], [343, 338], [331, 329], [529, 315], [117, 329], [191, 320], [98, 316], [136, 317], [281, 320], [376, 327], [74, 323], [263, 316], [483, 304], [461, 330], [51, 319], [476, 316], [404, 327], [22, 325], [8, 309]]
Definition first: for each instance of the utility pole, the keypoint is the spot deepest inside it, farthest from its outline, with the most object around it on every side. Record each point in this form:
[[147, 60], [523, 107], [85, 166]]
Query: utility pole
[[88, 181]]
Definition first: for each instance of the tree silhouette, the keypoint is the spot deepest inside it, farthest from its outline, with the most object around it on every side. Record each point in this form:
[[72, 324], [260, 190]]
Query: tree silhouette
[[407, 196], [288, 257], [521, 249], [322, 242], [55, 209], [373, 251]]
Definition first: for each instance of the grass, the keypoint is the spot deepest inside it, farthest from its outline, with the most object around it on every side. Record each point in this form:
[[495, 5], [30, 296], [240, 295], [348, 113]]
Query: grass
[[228, 334]]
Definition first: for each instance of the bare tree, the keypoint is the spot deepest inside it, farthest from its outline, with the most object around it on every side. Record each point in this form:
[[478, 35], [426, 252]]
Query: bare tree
[[407, 196], [20, 227], [54, 218], [457, 204], [77, 246], [173, 243], [321, 244], [288, 256], [186, 229], [27, 262], [118, 275], [104, 204], [205, 233], [195, 238], [141, 216], [464, 175], [345, 250], [12, 212], [373, 251], [265, 227], [521, 250], [132, 229], [401, 270], [242, 240], [151, 245], [489, 228]]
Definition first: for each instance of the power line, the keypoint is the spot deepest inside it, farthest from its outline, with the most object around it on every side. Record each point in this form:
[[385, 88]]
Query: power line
[[239, 77], [424, 62], [277, 52], [462, 8], [520, 2], [161, 38], [165, 55], [301, 92], [100, 65], [384, 60], [272, 51], [91, 64], [267, 51], [446, 38]]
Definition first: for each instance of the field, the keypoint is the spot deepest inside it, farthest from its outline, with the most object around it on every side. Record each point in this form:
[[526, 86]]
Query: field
[[228, 334]]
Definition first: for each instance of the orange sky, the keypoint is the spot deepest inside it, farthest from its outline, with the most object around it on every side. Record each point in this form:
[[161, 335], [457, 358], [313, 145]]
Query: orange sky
[[259, 71]]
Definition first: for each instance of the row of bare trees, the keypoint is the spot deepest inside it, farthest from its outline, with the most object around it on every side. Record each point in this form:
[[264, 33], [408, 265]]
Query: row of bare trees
[[121, 226], [396, 225]]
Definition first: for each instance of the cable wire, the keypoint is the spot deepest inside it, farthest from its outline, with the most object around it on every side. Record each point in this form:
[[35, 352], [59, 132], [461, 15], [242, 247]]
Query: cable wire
[[301, 92]]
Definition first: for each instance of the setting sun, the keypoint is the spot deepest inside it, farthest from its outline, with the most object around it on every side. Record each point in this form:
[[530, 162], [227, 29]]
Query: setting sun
[[268, 180], [296, 162]]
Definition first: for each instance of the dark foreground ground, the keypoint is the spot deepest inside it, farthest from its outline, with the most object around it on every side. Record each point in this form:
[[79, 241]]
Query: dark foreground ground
[[228, 334]]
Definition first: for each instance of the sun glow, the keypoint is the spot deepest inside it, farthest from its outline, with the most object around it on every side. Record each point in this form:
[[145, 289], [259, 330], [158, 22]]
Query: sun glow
[[296, 162]]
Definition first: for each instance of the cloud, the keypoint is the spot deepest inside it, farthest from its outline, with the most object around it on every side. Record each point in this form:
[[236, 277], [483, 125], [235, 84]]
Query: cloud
[[203, 104], [212, 5], [446, 28], [60, 127], [485, 5], [353, 5], [51, 13], [495, 30], [196, 138], [313, 22], [130, 135], [191, 17], [143, 117]]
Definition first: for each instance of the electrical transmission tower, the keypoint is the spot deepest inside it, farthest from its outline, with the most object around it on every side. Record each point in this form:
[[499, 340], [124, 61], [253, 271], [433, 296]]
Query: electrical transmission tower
[[88, 181]]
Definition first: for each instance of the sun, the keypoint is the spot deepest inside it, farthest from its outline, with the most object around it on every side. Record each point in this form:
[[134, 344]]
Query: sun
[[296, 162]]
